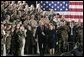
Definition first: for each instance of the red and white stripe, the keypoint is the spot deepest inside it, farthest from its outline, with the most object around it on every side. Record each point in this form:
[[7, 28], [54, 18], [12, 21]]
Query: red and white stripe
[[75, 11]]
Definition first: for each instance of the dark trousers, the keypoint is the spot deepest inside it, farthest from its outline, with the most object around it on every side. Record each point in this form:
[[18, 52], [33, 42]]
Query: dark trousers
[[42, 47], [34, 49], [71, 46], [72, 42]]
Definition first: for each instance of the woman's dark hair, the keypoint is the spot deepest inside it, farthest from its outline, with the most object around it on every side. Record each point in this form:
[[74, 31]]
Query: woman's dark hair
[[67, 23]]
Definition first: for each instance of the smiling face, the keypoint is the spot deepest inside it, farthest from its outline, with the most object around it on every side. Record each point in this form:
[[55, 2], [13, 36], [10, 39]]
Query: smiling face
[[18, 26], [51, 26], [57, 16], [13, 2], [71, 24], [32, 17], [22, 28]]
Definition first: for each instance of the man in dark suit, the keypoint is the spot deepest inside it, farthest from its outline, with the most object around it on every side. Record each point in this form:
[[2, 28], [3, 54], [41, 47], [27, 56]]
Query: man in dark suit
[[41, 38], [72, 35]]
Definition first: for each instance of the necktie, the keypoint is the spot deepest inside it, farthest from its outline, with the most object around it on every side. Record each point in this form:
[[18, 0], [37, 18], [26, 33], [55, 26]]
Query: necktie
[[71, 31]]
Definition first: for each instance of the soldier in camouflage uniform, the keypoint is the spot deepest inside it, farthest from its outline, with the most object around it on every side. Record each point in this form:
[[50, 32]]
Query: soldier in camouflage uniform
[[64, 35], [79, 36], [15, 41], [51, 15], [72, 35], [32, 10], [26, 9], [29, 37], [6, 37], [3, 40], [27, 21], [22, 35], [33, 24]]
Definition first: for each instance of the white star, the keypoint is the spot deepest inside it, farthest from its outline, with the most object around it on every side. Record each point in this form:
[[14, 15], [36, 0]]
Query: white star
[[41, 2], [63, 6], [66, 4], [55, 4], [44, 4], [60, 4], [60, 9], [52, 7], [66, 9], [43, 8], [49, 4], [63, 2], [52, 2], [46, 1], [55, 9]]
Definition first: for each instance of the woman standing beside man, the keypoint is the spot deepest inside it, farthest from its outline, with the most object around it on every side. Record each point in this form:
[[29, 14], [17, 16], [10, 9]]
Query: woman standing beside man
[[52, 39]]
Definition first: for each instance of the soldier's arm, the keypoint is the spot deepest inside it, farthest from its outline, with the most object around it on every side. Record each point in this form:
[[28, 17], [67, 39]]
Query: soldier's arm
[[36, 33], [25, 33]]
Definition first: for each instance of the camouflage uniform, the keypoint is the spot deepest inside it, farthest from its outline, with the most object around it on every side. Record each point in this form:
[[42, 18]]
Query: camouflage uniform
[[64, 35], [62, 38], [80, 35], [15, 43], [22, 36], [26, 22], [3, 41], [59, 39], [8, 41]]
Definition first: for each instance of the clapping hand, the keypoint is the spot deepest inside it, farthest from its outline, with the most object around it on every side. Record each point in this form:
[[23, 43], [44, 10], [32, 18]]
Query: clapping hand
[[43, 33]]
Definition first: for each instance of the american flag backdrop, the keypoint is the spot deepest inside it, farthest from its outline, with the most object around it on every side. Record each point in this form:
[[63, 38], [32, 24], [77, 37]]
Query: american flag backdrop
[[72, 10]]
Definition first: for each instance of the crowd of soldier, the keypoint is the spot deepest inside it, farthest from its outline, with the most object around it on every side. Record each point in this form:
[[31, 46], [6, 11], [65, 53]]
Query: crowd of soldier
[[29, 30]]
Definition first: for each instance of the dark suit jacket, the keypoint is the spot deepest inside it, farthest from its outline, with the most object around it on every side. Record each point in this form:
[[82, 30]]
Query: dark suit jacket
[[72, 37], [52, 36], [41, 37]]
